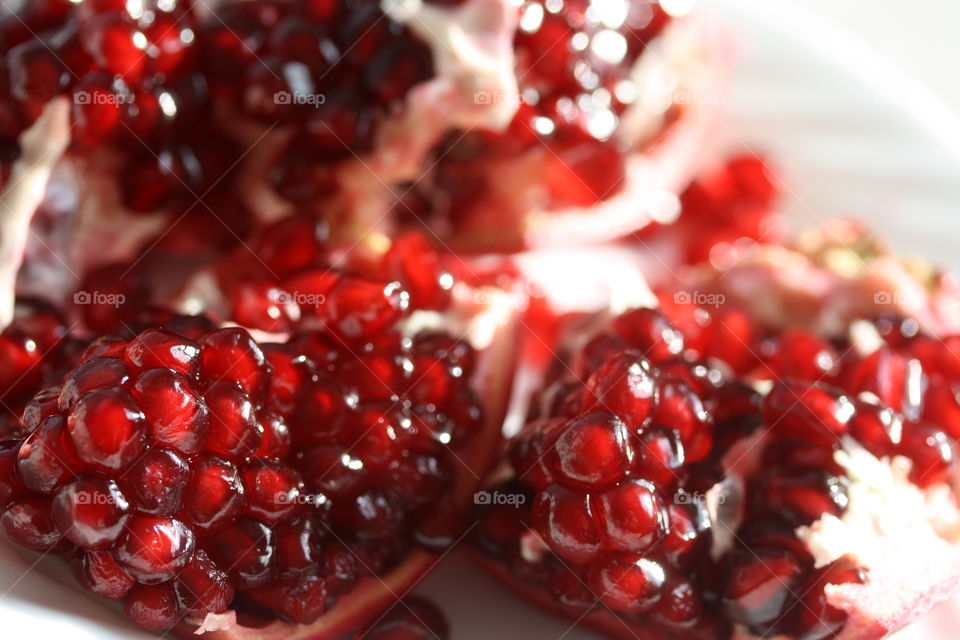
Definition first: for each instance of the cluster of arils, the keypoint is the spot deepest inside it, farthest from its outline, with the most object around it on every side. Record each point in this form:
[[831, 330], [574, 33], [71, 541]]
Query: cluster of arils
[[618, 460], [187, 470], [156, 80], [574, 63]]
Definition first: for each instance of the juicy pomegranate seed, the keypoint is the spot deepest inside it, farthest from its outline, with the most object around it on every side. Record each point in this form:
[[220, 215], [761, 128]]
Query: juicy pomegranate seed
[[634, 516], [202, 587], [627, 582], [177, 416], [566, 520], [100, 574], [46, 459], [90, 513], [153, 607], [234, 429], [651, 333], [95, 373], [155, 549], [107, 429], [247, 550], [28, 523], [593, 450], [164, 349], [214, 493], [231, 354], [272, 491], [758, 586], [625, 386], [155, 483], [816, 413]]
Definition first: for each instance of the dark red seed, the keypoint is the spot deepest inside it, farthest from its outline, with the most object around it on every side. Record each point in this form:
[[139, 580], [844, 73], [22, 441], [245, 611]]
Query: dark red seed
[[660, 456], [96, 373], [358, 308], [90, 512], [231, 354], [273, 491], [332, 470], [323, 409], [680, 408], [593, 450], [801, 355], [155, 483], [160, 348], [234, 429], [690, 535], [247, 551], [176, 415], [28, 523], [623, 385], [298, 549], [930, 450], [372, 516], [627, 582], [302, 599], [153, 607], [816, 413], [597, 352], [260, 304], [293, 243], [100, 574], [568, 523], [214, 493], [634, 516], [413, 262], [879, 428], [276, 435], [155, 549], [798, 496], [651, 333], [898, 381], [10, 484], [814, 618], [107, 429], [759, 585], [116, 45], [413, 618], [202, 587], [681, 605], [46, 458]]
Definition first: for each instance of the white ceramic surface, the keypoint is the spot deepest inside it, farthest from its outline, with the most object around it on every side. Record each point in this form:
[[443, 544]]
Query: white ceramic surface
[[852, 134]]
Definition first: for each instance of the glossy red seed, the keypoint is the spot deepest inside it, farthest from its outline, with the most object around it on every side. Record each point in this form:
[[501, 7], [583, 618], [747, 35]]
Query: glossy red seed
[[690, 535], [597, 352], [323, 410], [160, 348], [372, 516], [231, 354], [202, 587], [660, 456], [214, 493], [46, 458], [43, 405], [799, 354], [260, 304], [105, 347], [941, 406], [566, 520], [293, 243], [815, 618], [28, 523], [90, 512], [680, 408], [170, 39], [798, 496], [802, 454], [176, 415], [298, 549], [650, 332], [593, 450], [358, 308], [247, 551], [10, 483], [291, 371], [731, 339], [155, 549], [234, 429], [627, 582], [332, 470], [155, 483], [276, 436], [302, 599], [96, 373], [930, 450], [273, 491], [895, 379], [153, 607], [413, 262], [107, 429], [634, 516], [816, 413], [758, 586], [879, 428], [623, 385], [381, 433], [530, 452], [100, 574], [681, 605]]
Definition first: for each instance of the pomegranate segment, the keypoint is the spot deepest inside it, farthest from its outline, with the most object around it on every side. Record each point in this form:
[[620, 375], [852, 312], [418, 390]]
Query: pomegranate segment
[[621, 480], [163, 470]]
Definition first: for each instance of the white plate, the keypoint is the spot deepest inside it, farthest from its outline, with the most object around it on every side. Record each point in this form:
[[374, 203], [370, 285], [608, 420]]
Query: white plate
[[853, 135]]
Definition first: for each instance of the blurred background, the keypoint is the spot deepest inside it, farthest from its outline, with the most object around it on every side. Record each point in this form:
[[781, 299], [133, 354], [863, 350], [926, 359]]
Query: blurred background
[[921, 37]]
